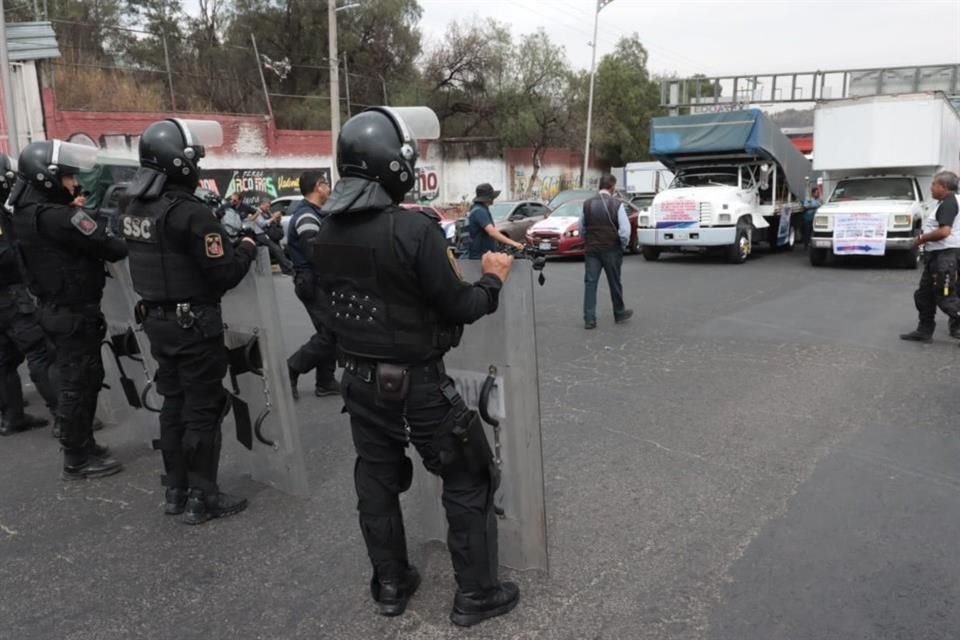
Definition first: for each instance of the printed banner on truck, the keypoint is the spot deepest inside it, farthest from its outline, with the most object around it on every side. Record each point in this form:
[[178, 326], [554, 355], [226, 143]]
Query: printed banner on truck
[[678, 214], [860, 234]]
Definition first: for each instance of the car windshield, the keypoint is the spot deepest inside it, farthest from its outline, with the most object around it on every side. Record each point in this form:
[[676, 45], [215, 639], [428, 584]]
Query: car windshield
[[566, 196], [501, 210], [873, 189], [705, 179], [571, 209]]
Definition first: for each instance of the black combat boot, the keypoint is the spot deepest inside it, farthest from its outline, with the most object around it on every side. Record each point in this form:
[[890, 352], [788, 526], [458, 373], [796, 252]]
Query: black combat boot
[[202, 507], [176, 501], [79, 465], [472, 608], [24, 422], [918, 335], [329, 388], [97, 450], [393, 593]]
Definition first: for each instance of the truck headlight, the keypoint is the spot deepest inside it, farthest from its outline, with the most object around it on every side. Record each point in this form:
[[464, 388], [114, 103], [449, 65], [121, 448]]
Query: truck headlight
[[644, 221], [821, 222], [901, 221], [724, 218]]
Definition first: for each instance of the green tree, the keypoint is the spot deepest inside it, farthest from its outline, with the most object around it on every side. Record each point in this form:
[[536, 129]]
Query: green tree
[[625, 98]]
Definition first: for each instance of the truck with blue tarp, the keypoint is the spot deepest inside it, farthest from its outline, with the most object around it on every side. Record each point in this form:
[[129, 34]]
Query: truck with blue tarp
[[738, 181]]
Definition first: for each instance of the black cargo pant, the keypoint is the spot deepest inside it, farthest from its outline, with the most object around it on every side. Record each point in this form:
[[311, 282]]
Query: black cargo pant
[[22, 336], [320, 351], [76, 332], [381, 432], [191, 364], [937, 288]]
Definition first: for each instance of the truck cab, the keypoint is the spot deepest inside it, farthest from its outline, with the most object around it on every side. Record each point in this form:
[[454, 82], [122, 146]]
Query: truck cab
[[900, 197]]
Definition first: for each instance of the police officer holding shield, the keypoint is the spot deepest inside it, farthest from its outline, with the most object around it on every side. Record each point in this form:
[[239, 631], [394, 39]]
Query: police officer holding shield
[[63, 251], [181, 264], [20, 332], [397, 305]]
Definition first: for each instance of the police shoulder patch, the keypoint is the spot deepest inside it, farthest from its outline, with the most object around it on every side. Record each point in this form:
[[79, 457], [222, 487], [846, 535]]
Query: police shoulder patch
[[452, 257], [83, 223], [214, 245]]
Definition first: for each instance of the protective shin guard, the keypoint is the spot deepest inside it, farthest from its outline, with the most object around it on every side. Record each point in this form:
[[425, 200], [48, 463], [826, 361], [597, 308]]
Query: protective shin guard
[[472, 541]]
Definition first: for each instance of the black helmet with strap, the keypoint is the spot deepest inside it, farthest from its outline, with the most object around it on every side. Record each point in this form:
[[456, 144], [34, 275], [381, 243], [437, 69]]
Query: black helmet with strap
[[170, 151], [44, 163]]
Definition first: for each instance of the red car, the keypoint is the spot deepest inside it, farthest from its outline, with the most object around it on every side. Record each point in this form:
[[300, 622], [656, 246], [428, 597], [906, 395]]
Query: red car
[[559, 234], [446, 223]]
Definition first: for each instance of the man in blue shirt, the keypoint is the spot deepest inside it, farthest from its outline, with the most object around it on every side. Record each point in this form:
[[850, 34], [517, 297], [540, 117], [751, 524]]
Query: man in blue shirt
[[605, 229], [484, 235]]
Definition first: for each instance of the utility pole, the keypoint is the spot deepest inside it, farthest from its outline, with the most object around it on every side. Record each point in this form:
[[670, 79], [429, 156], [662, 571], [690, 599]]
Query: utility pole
[[9, 115], [593, 72], [334, 89]]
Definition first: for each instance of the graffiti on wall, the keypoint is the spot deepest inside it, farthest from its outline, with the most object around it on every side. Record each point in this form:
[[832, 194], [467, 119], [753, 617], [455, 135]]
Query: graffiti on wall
[[427, 187], [546, 184]]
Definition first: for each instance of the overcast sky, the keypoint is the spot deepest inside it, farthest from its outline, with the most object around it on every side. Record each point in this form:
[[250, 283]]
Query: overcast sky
[[723, 37]]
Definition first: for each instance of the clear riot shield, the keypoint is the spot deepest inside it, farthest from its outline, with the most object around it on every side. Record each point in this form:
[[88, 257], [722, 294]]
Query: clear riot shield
[[128, 366], [496, 363], [262, 432]]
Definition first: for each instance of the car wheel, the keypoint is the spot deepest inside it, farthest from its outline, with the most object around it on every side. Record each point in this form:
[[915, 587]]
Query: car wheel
[[650, 254], [739, 251]]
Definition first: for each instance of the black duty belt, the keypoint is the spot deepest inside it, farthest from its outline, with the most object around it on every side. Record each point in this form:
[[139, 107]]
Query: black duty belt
[[168, 310], [419, 373]]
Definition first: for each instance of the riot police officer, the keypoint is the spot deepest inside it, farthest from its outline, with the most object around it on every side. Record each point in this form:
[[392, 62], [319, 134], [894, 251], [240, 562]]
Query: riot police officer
[[397, 304], [63, 251], [20, 332], [182, 264]]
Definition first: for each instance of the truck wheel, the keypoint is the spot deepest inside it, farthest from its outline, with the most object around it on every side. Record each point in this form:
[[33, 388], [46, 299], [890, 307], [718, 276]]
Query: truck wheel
[[818, 257], [739, 251], [650, 254]]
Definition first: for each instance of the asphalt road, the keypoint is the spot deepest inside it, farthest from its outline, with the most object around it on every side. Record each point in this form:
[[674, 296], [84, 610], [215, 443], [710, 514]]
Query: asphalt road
[[755, 456]]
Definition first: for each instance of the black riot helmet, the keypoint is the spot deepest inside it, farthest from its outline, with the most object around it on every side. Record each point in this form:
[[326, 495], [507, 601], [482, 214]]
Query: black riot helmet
[[42, 164], [8, 174], [170, 150], [380, 144]]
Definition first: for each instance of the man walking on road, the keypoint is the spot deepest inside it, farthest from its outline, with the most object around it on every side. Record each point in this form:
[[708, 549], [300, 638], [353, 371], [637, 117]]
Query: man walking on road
[[605, 230], [941, 236], [484, 235]]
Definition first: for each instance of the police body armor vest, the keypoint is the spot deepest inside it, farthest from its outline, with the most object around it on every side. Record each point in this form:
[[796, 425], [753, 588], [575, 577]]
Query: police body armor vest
[[376, 306], [161, 268], [56, 274]]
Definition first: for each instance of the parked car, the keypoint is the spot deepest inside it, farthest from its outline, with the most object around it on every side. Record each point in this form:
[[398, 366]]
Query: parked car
[[559, 235], [284, 204], [512, 219], [447, 224], [579, 194]]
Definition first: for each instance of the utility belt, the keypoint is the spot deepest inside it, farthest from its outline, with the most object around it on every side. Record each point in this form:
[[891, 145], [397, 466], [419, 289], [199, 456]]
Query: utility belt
[[185, 313], [370, 370]]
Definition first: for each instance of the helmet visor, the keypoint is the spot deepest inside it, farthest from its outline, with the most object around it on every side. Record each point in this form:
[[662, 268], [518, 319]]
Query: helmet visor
[[201, 133], [68, 155], [417, 123]]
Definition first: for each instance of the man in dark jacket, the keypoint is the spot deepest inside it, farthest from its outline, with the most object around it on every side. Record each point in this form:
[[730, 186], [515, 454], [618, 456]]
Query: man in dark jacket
[[319, 352], [605, 229], [484, 235]]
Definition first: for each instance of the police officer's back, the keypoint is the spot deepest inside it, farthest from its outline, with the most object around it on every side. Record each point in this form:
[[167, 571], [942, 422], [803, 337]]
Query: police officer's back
[[181, 264], [63, 251], [397, 305]]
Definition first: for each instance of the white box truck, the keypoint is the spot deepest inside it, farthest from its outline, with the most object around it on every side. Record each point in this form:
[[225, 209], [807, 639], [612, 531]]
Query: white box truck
[[644, 180], [878, 155], [738, 181]]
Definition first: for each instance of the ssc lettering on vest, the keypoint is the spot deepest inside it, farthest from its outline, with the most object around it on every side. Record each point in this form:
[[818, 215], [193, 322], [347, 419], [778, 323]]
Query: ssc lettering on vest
[[138, 229]]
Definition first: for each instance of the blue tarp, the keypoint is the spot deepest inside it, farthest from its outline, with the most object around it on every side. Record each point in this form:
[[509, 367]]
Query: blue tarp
[[678, 139]]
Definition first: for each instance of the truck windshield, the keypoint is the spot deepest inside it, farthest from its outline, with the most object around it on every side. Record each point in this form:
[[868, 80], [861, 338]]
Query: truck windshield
[[873, 189], [705, 179]]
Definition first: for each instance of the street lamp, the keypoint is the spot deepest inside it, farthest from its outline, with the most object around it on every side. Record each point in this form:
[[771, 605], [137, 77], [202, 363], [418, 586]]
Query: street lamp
[[332, 10], [593, 72]]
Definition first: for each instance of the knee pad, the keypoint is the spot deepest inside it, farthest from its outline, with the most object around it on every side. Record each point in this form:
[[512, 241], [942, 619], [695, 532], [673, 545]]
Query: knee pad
[[379, 485]]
